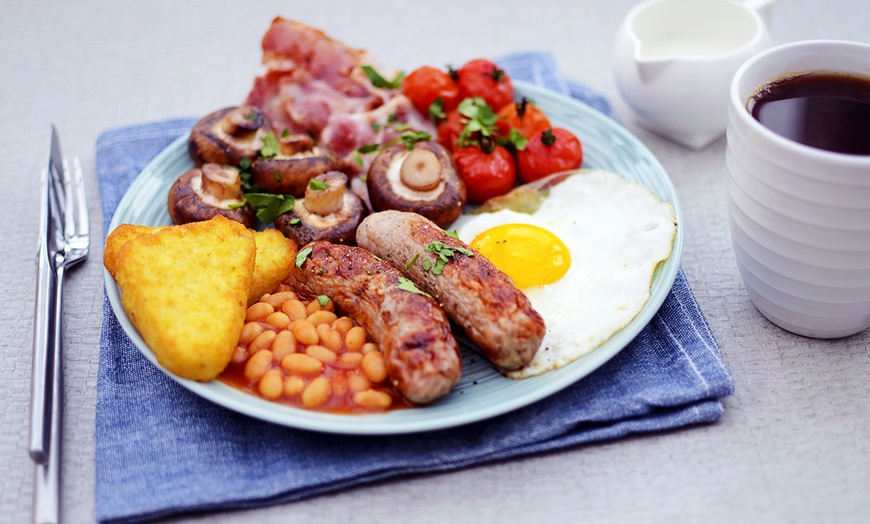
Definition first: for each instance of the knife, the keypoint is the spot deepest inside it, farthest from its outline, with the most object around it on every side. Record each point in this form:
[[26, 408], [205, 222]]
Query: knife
[[47, 317]]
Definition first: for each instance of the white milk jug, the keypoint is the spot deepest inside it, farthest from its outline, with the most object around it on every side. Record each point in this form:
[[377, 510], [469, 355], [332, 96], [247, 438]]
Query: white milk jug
[[675, 60]]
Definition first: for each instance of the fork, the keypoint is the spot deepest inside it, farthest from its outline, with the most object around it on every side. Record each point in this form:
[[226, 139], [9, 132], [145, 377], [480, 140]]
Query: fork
[[65, 242]]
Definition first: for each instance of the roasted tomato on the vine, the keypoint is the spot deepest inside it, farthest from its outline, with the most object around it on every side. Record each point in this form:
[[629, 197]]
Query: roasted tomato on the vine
[[450, 128], [482, 78], [547, 152], [426, 84], [486, 174], [524, 116]]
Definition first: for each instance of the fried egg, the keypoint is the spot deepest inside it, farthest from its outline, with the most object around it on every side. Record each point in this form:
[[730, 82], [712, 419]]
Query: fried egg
[[585, 258]]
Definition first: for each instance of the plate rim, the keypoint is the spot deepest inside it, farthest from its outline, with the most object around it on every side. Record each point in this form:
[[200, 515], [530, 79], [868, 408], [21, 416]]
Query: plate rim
[[394, 422]]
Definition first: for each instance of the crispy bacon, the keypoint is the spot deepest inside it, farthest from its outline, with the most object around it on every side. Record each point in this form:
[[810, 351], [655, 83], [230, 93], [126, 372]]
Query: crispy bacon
[[315, 84]]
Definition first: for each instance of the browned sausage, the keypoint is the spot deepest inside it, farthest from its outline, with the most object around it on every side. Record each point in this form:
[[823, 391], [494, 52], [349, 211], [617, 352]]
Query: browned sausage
[[479, 297], [411, 329]]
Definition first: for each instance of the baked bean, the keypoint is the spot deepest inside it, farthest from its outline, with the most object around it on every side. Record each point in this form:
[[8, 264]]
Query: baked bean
[[350, 360], [321, 353], [263, 341], [322, 317], [316, 392], [249, 332], [342, 325], [278, 320], [294, 385], [305, 332], [294, 309], [373, 399], [355, 338], [301, 363], [329, 337], [358, 382], [283, 345], [374, 366], [258, 365], [276, 300], [240, 355], [272, 384], [313, 306], [368, 347], [258, 311]]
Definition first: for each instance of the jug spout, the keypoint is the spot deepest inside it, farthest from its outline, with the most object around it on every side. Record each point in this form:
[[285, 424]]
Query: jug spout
[[650, 68], [764, 8]]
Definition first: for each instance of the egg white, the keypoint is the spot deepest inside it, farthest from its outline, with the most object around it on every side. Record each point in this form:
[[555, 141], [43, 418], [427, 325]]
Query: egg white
[[617, 232]]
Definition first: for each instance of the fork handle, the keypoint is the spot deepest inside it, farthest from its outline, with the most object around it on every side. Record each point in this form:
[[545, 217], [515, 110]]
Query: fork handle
[[46, 339]]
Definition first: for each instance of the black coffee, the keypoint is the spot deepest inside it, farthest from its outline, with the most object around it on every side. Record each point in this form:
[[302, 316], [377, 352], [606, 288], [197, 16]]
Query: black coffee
[[825, 110]]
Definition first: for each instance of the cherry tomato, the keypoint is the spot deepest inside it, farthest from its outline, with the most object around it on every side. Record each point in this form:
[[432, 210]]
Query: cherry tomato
[[524, 116], [482, 78], [427, 83], [547, 152], [449, 129], [486, 175]]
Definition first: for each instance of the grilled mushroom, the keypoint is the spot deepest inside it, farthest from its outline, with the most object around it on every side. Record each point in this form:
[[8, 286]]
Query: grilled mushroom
[[327, 212], [202, 193], [288, 172], [422, 180], [228, 136]]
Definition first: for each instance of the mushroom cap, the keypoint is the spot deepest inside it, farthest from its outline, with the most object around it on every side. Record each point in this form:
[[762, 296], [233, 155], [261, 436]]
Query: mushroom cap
[[303, 226], [227, 136], [187, 202], [289, 175], [443, 204]]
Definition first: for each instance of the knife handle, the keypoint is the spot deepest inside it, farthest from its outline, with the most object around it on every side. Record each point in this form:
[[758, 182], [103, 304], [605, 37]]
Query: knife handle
[[47, 475], [45, 339]]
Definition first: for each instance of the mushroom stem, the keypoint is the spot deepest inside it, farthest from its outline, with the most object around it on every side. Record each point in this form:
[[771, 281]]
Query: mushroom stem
[[221, 182], [421, 170], [296, 143], [325, 193], [242, 121]]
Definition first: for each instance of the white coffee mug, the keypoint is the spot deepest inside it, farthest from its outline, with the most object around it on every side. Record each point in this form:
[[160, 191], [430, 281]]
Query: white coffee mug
[[799, 216]]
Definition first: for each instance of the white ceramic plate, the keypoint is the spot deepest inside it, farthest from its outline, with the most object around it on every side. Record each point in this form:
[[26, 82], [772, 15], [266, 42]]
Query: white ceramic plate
[[482, 392]]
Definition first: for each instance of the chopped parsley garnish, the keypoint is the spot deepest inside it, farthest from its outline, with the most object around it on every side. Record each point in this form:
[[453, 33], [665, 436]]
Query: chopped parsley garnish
[[436, 110], [379, 81], [443, 254], [411, 262], [481, 119], [317, 185], [270, 145], [270, 206], [322, 300], [245, 163], [407, 285], [451, 234], [409, 138], [302, 256], [294, 221]]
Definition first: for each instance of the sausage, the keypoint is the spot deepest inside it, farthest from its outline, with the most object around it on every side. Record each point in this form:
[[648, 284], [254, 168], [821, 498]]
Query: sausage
[[476, 295], [411, 329]]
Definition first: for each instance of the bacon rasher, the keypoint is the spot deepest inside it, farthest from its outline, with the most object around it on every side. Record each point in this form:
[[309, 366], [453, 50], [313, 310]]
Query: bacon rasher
[[315, 84]]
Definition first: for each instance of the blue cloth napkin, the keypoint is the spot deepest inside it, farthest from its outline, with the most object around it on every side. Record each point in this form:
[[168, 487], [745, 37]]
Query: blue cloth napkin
[[161, 450]]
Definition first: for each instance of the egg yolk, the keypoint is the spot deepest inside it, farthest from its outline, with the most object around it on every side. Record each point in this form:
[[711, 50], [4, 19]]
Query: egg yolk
[[530, 255]]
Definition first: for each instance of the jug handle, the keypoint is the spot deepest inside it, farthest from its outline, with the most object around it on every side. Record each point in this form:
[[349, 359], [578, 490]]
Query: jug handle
[[764, 8]]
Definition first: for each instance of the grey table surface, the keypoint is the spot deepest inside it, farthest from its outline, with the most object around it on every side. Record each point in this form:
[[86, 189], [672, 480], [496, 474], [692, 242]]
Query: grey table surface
[[793, 444]]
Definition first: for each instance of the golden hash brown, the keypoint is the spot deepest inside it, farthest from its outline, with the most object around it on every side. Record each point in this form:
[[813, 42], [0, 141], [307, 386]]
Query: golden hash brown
[[117, 238], [275, 257], [185, 289]]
